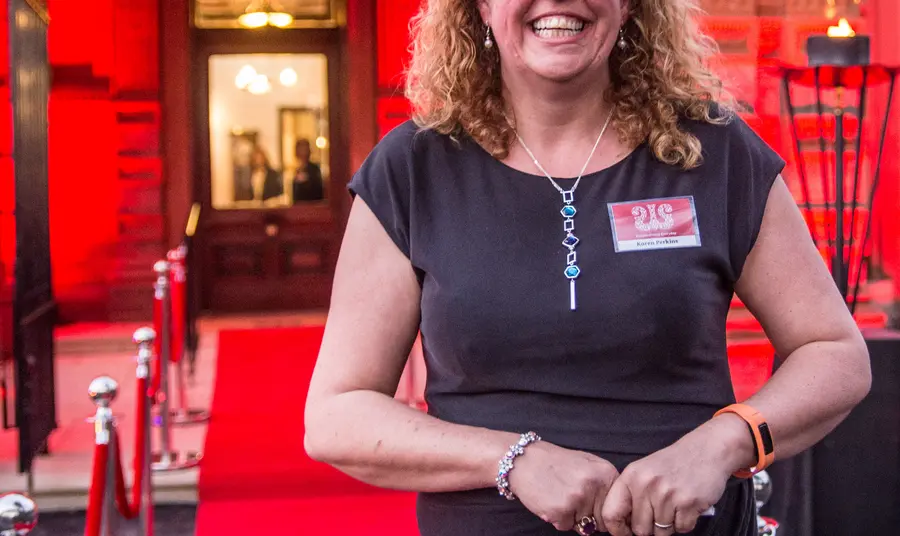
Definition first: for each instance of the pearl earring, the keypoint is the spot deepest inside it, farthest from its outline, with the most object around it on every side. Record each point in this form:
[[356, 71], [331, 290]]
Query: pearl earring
[[488, 40], [622, 43]]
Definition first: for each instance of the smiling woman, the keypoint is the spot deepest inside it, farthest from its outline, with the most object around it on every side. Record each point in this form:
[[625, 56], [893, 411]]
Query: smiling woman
[[606, 407]]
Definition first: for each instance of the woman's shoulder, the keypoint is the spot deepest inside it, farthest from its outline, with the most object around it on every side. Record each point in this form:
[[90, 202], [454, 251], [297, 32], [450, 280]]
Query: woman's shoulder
[[725, 126], [408, 141]]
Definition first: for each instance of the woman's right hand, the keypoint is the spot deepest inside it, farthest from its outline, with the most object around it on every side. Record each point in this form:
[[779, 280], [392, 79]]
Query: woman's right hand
[[562, 486]]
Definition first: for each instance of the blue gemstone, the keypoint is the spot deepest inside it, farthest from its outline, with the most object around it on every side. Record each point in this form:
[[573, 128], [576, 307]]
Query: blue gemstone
[[573, 271], [570, 240], [568, 211]]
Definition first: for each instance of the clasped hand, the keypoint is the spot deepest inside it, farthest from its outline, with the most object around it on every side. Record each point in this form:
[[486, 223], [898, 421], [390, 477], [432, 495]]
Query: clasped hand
[[669, 488]]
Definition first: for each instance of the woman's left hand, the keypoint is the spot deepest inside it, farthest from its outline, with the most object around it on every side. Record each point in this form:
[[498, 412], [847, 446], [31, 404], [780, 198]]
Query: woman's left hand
[[673, 486]]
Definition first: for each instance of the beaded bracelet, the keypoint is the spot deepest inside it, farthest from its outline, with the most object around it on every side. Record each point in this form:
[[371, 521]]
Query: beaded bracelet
[[506, 463]]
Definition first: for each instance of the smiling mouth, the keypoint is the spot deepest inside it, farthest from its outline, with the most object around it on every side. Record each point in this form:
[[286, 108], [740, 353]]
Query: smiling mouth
[[556, 26]]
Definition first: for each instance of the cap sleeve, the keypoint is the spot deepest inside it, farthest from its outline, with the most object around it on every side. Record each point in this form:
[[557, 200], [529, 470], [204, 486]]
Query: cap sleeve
[[753, 168], [383, 183]]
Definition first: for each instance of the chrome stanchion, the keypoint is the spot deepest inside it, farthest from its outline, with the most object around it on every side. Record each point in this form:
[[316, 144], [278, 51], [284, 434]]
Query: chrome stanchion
[[103, 391], [145, 338], [183, 414], [18, 514], [167, 459]]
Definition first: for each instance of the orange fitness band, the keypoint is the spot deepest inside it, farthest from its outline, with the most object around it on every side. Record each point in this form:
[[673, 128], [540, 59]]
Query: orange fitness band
[[764, 446]]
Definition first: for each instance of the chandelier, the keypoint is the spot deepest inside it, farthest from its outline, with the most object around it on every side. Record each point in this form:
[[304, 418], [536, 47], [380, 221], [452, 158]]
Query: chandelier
[[265, 13]]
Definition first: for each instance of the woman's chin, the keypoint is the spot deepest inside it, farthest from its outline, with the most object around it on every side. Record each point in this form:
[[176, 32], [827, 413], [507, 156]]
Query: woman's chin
[[558, 71]]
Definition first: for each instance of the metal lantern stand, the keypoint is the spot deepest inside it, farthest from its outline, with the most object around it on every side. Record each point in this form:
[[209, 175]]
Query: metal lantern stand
[[839, 241]]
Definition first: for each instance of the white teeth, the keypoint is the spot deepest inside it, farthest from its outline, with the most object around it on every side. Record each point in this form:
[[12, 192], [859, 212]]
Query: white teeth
[[559, 23], [550, 34]]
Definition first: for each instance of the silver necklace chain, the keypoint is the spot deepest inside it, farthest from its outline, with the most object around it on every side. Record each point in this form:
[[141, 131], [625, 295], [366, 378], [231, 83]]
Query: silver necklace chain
[[583, 168], [568, 211]]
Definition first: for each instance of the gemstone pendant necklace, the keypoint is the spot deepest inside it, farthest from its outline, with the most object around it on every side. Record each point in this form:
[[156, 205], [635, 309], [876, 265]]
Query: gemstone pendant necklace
[[568, 212]]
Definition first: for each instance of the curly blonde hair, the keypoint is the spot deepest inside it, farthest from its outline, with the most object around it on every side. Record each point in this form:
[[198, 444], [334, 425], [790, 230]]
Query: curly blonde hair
[[661, 77]]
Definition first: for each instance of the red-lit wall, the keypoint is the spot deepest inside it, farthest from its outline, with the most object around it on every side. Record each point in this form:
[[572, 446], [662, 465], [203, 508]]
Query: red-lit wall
[[106, 219]]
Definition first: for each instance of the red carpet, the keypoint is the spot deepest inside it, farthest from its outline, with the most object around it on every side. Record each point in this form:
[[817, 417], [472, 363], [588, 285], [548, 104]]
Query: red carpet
[[255, 477]]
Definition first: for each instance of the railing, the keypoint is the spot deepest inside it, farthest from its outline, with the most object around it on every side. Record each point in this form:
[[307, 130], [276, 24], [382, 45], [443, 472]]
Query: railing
[[108, 494], [172, 339], [192, 309]]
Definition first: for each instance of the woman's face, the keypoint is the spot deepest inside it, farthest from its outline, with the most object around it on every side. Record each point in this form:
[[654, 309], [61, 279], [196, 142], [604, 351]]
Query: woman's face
[[555, 39]]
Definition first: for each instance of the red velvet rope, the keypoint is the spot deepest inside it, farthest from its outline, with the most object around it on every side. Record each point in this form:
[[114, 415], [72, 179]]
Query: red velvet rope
[[178, 293], [125, 508], [130, 510], [140, 437], [95, 495]]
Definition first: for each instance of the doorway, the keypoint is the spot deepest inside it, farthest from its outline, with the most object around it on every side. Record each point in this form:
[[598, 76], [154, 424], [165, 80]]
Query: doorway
[[272, 167]]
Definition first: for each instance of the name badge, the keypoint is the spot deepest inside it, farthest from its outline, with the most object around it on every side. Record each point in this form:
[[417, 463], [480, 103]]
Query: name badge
[[666, 223]]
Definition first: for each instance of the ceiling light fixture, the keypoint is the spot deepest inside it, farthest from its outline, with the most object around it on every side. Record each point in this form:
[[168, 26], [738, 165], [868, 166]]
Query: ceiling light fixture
[[265, 12], [260, 85], [288, 77], [245, 77]]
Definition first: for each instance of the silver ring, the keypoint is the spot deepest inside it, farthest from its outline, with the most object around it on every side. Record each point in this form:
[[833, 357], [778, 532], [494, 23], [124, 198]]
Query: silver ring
[[664, 527]]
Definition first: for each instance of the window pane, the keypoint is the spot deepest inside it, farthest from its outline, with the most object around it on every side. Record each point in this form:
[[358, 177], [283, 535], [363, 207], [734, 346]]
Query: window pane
[[269, 137]]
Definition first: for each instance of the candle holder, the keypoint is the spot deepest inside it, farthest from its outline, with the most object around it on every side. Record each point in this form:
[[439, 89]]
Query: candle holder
[[841, 47], [839, 51]]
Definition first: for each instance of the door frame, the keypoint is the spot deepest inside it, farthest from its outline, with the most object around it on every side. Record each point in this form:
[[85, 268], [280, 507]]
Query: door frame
[[324, 220]]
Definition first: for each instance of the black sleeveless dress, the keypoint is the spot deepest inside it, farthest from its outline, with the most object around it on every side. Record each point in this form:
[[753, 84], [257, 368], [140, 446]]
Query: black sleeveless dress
[[642, 359]]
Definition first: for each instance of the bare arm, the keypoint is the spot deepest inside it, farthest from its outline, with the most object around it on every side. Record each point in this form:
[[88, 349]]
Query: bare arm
[[826, 373], [352, 420], [826, 370]]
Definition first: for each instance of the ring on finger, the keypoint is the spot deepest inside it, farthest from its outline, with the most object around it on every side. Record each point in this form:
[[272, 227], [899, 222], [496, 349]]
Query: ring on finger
[[663, 526], [586, 526]]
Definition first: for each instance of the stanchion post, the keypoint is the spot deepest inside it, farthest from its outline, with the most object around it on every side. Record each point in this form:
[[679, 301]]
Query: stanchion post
[[103, 391], [182, 414], [762, 490], [161, 290], [145, 338], [18, 514], [167, 459]]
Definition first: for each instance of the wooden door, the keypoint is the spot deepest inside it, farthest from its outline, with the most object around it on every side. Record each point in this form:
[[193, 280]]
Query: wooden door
[[273, 212]]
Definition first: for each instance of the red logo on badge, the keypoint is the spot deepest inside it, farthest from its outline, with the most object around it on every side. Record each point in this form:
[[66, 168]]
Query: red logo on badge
[[654, 224]]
